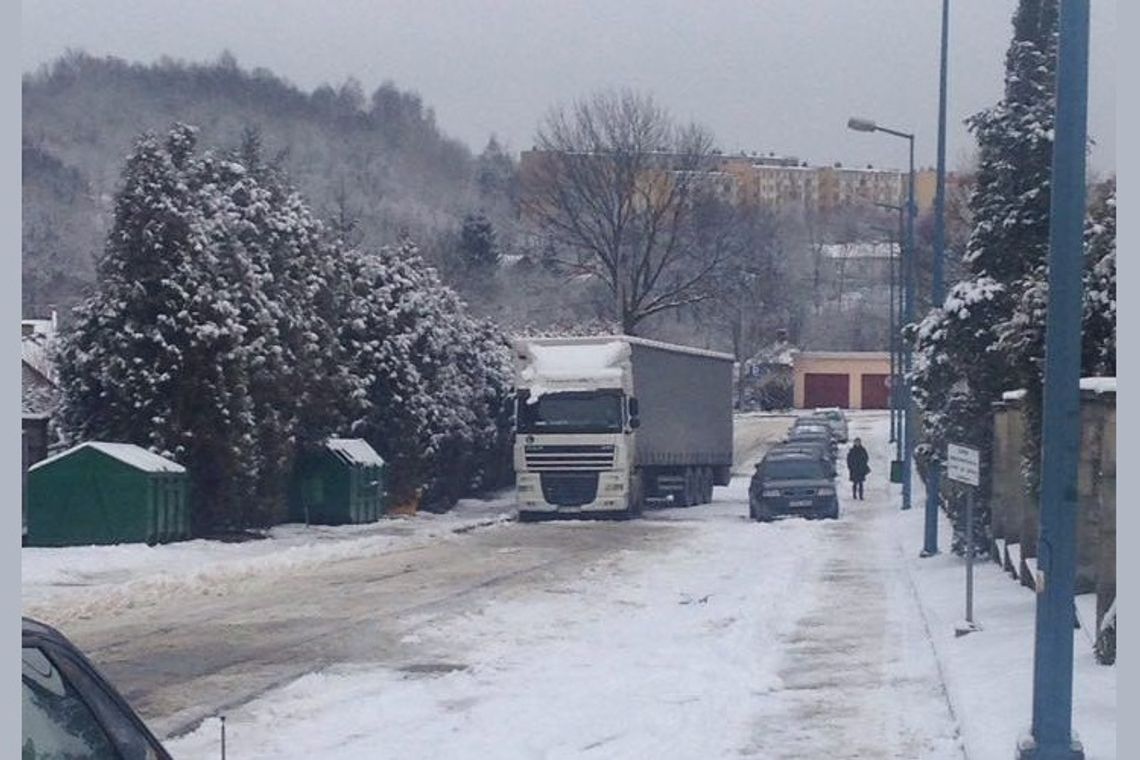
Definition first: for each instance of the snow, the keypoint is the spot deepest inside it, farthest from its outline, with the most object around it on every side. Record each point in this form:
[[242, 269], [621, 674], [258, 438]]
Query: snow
[[1016, 395], [858, 250], [128, 453], [61, 584], [573, 367], [356, 451], [1099, 384], [790, 639]]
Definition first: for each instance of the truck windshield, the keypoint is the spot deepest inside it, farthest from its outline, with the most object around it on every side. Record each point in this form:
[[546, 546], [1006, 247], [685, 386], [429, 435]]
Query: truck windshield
[[571, 412]]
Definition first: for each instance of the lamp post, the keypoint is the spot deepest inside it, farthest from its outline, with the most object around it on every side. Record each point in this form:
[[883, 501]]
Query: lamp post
[[895, 342], [866, 125], [938, 295], [1052, 737]]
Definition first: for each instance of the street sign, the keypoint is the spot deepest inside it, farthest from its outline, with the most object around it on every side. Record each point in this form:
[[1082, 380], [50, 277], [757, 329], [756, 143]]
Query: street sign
[[963, 464]]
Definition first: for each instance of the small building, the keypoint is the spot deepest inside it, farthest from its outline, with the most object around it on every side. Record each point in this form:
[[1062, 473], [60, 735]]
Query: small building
[[846, 379], [107, 493], [765, 380], [341, 483]]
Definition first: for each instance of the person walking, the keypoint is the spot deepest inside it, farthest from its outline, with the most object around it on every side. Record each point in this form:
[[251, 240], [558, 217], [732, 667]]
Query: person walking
[[857, 468]]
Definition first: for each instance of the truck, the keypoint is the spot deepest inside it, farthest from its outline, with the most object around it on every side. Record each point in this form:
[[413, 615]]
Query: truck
[[606, 424]]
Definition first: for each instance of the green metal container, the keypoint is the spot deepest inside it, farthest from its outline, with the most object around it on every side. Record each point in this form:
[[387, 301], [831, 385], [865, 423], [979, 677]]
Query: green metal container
[[896, 471], [342, 483], [107, 493]]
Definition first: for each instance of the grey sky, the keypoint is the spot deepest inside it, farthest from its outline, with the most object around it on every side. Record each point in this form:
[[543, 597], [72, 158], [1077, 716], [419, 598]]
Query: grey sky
[[766, 75]]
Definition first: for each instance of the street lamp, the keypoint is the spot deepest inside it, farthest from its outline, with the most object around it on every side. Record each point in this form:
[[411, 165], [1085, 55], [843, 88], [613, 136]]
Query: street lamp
[[867, 125], [895, 342]]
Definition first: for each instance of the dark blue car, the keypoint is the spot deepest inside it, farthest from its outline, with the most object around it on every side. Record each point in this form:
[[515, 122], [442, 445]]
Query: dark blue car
[[793, 484]]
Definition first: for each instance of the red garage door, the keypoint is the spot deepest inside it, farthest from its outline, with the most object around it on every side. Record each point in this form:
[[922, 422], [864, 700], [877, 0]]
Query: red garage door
[[822, 389], [875, 392]]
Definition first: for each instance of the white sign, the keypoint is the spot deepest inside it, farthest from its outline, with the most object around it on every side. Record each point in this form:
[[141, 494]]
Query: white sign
[[963, 464]]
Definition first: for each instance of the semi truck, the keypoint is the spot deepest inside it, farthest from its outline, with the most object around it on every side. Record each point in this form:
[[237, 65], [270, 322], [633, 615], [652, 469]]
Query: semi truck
[[606, 424]]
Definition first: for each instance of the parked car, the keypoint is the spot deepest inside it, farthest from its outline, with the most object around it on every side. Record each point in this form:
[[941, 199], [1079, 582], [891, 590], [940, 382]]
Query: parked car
[[835, 418], [71, 710], [814, 448], [792, 484], [813, 433]]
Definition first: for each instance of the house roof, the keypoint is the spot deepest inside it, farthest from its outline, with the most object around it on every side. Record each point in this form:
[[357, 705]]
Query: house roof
[[127, 453]]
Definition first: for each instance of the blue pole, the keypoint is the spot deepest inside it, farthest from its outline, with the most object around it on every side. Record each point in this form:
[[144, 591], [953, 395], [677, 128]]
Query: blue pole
[[1060, 434], [930, 534], [891, 345], [908, 318], [898, 339]]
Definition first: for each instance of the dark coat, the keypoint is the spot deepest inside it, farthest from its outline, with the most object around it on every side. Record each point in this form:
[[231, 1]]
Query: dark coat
[[857, 466]]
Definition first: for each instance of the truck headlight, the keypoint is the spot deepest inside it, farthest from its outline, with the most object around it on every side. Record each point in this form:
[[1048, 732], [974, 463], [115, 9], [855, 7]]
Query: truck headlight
[[526, 488], [769, 493], [615, 487]]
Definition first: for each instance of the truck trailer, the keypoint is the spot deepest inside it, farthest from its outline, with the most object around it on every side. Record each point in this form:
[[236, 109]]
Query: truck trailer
[[605, 424]]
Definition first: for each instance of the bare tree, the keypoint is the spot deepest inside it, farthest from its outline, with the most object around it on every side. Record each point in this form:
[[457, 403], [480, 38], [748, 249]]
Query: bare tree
[[611, 184]]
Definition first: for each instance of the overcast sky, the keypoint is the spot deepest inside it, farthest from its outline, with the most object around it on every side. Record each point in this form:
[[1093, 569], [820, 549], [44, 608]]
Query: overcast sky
[[764, 75]]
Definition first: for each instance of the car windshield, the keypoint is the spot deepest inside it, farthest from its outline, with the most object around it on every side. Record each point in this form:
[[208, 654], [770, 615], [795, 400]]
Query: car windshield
[[792, 469]]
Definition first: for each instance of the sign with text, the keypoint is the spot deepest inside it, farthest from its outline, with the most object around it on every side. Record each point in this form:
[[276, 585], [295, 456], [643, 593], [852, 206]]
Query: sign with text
[[963, 464]]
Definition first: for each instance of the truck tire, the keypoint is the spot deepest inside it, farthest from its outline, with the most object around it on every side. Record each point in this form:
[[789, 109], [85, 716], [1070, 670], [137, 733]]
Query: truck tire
[[692, 488], [636, 496]]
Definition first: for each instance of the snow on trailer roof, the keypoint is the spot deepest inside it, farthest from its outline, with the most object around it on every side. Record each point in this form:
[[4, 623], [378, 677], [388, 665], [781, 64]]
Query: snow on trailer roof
[[589, 340], [127, 453], [355, 451]]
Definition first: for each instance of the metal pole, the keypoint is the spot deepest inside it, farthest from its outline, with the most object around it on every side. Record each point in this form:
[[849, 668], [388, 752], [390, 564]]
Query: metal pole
[[937, 289], [892, 344], [908, 317], [1060, 434], [970, 556], [899, 396]]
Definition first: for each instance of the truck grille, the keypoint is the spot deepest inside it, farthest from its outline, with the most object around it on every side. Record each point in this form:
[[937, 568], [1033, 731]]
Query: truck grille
[[574, 457], [569, 489]]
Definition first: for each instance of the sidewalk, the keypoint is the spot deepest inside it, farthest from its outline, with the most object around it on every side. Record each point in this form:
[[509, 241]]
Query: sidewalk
[[989, 674]]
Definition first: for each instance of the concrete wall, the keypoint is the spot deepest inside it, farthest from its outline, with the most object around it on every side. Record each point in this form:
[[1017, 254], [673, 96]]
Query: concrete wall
[[1016, 520], [854, 364], [1009, 501]]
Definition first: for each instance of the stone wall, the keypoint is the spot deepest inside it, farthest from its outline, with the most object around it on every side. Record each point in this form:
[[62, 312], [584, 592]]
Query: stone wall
[[1014, 520]]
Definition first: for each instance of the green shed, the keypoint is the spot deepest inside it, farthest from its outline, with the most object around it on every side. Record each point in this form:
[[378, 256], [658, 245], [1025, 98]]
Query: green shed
[[107, 493], [341, 483]]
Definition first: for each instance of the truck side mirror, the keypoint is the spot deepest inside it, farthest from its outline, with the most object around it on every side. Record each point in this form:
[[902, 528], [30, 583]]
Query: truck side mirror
[[634, 421]]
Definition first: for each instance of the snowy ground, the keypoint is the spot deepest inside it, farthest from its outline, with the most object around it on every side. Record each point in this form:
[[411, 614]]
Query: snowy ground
[[693, 633], [61, 585]]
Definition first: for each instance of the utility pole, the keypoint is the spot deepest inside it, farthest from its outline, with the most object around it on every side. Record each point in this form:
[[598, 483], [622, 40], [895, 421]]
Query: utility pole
[[1051, 734], [938, 295]]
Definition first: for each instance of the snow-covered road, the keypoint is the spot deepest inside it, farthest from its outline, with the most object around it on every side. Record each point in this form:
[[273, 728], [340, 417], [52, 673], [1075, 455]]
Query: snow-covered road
[[697, 634], [692, 633]]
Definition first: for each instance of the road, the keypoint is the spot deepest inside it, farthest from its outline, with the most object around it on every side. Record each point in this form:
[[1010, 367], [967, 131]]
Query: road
[[837, 642]]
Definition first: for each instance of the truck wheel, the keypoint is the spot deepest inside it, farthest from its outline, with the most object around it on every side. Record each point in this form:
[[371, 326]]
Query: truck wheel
[[707, 490], [636, 497], [692, 490]]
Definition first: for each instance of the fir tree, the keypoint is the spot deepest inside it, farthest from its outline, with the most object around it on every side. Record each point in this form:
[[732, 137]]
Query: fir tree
[[1098, 355], [989, 334]]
